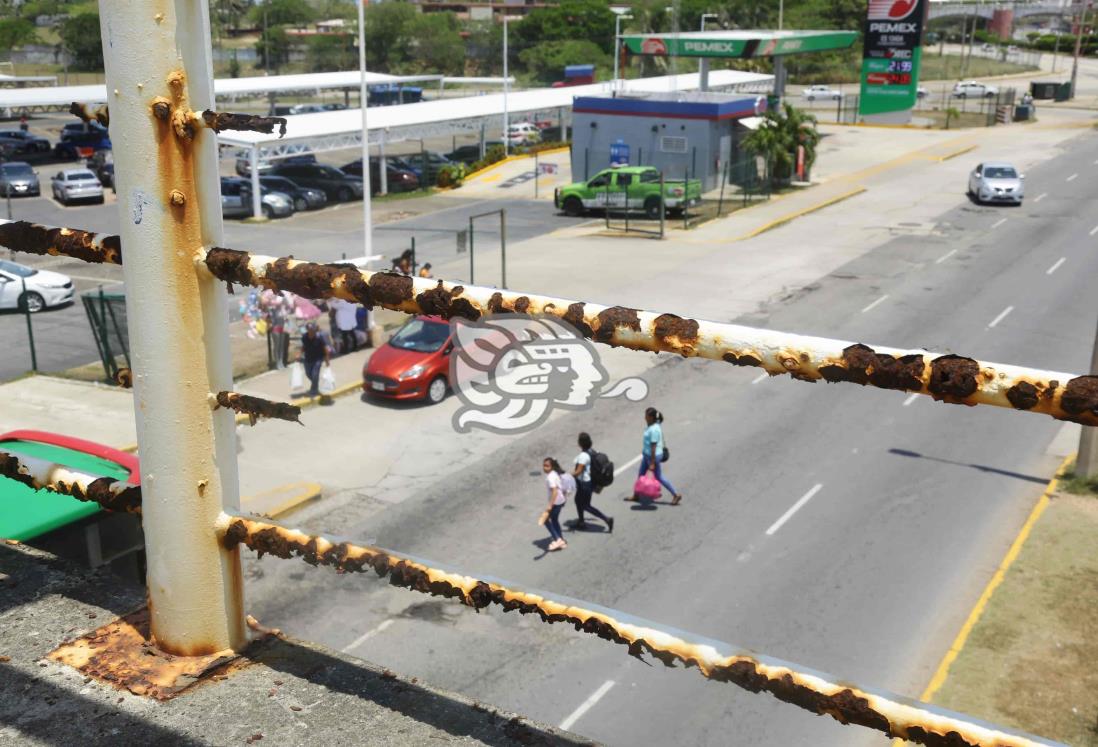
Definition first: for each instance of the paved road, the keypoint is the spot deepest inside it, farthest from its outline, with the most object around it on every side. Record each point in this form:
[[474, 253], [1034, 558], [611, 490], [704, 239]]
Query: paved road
[[904, 504]]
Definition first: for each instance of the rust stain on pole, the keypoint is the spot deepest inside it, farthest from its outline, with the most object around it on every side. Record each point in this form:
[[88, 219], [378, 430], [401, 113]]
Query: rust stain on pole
[[219, 121], [34, 238], [87, 114], [257, 407], [846, 703], [112, 495]]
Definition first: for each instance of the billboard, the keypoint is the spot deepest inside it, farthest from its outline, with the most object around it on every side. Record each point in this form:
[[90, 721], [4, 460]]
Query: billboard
[[736, 44], [890, 60]]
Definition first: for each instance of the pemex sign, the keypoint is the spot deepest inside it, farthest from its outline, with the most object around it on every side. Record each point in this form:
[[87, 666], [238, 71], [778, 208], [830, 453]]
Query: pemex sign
[[736, 44], [892, 53]]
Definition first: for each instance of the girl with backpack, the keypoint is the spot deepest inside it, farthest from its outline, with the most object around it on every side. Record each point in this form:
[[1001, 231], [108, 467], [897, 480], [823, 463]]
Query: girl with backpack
[[654, 452], [551, 516], [585, 485]]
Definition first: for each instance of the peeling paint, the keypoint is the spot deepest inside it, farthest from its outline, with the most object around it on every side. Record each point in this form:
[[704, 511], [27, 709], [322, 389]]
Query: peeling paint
[[257, 407], [40, 474], [219, 121]]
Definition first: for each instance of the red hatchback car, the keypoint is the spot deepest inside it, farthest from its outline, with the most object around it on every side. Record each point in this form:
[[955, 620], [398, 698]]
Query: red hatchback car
[[413, 364]]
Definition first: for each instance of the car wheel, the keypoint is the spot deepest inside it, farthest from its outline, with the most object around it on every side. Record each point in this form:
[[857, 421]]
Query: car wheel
[[300, 205], [573, 206], [31, 302], [344, 194], [100, 200], [652, 207], [436, 390], [810, 98], [268, 213]]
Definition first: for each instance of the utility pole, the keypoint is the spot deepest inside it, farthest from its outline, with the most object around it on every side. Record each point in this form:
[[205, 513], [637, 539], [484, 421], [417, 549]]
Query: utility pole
[[703, 63], [363, 97], [1087, 463], [617, 46], [1081, 24], [506, 88]]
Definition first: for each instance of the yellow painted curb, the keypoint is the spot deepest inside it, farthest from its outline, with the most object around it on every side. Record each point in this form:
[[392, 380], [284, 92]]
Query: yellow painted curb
[[942, 672], [797, 214], [509, 159], [956, 153], [297, 495]]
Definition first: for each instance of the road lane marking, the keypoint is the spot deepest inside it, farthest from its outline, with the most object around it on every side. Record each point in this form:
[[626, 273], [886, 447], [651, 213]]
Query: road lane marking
[[794, 509], [1072, 178], [368, 635], [945, 256], [586, 705], [1040, 197], [760, 377], [874, 304], [1001, 317], [1056, 265], [998, 223], [1094, 230], [911, 399], [624, 467]]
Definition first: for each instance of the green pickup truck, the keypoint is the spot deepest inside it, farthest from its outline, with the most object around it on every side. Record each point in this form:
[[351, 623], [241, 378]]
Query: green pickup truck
[[627, 187]]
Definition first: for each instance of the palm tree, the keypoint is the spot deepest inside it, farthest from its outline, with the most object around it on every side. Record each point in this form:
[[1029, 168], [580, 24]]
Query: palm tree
[[777, 137]]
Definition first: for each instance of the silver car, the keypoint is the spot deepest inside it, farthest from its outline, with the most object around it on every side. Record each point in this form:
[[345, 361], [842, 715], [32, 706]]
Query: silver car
[[76, 184], [43, 288], [996, 182], [19, 179]]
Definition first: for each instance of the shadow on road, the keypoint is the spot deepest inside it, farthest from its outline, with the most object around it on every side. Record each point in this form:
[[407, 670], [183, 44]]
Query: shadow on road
[[980, 467]]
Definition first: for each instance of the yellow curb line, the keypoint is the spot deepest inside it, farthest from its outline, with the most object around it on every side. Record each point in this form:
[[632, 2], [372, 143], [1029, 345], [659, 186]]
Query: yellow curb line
[[309, 491], [955, 153], [797, 214], [942, 672], [509, 159]]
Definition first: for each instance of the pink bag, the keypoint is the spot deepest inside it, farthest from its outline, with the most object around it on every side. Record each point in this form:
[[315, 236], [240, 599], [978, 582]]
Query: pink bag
[[647, 486]]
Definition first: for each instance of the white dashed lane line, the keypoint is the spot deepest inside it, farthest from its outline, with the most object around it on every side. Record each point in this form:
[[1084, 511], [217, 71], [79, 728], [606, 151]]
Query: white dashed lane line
[[910, 399], [1056, 265], [874, 304], [1072, 178], [1040, 197], [760, 377], [999, 222], [1001, 317], [794, 509], [945, 256], [586, 705]]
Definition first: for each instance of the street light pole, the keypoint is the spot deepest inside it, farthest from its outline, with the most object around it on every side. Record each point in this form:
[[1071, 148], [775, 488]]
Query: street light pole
[[703, 64], [367, 215], [1078, 44], [617, 46], [506, 88], [781, 13]]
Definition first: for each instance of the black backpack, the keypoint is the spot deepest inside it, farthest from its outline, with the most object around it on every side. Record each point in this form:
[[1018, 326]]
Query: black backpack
[[602, 470]]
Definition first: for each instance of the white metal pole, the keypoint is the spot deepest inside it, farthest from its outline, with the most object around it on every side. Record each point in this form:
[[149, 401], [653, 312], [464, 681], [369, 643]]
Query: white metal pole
[[159, 71], [367, 216], [383, 166], [253, 168], [617, 51], [781, 13], [703, 64], [506, 88]]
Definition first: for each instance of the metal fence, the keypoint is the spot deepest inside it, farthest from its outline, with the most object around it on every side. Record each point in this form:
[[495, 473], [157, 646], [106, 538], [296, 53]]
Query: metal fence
[[176, 284], [106, 314], [997, 108]]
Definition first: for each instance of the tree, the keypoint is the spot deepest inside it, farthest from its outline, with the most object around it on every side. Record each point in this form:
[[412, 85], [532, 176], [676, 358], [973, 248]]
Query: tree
[[17, 32], [387, 30], [546, 61], [436, 45], [282, 13], [331, 52], [273, 47], [777, 137], [81, 39], [572, 20]]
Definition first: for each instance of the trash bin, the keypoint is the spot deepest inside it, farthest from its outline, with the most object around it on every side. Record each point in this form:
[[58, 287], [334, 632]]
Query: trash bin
[[1063, 91], [1023, 112], [1043, 89]]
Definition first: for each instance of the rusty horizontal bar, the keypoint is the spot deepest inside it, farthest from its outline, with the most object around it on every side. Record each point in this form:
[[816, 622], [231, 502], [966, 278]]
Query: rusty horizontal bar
[[814, 691], [100, 114], [948, 378], [219, 121], [41, 474], [257, 407], [34, 238]]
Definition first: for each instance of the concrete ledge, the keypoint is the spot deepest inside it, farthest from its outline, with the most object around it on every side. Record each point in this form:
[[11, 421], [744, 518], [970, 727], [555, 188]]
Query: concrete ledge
[[798, 213], [291, 692]]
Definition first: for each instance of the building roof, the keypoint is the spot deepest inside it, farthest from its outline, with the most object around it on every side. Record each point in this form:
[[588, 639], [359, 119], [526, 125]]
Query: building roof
[[342, 129], [738, 43]]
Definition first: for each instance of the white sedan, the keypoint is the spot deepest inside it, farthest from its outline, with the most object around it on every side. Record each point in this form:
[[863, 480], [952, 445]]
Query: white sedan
[[76, 184], [28, 289], [821, 92]]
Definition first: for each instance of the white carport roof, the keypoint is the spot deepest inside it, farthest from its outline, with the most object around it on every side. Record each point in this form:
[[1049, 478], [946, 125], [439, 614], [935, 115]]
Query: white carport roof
[[314, 133], [225, 87]]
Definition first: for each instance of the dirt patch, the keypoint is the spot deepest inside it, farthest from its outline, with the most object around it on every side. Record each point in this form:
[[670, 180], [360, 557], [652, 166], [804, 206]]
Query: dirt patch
[[1031, 661]]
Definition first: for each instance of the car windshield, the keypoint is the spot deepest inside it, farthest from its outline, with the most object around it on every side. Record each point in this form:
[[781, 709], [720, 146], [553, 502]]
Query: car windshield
[[999, 172], [18, 270], [79, 176], [421, 336], [17, 169]]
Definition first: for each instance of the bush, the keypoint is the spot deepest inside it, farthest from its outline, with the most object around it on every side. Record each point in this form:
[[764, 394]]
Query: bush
[[539, 147], [494, 154], [452, 175]]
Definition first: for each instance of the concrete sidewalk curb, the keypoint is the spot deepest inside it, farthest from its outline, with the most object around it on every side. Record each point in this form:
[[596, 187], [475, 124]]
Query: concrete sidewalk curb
[[954, 154], [788, 217], [282, 500], [510, 159], [942, 672]]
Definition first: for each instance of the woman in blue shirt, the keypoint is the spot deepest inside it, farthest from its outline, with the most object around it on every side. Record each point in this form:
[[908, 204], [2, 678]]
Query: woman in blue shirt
[[652, 452]]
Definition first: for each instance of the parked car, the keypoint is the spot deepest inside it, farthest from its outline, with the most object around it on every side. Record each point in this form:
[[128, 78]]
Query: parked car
[[972, 89], [921, 92], [469, 154], [75, 145], [80, 531], [236, 202], [14, 146], [330, 180], [76, 184], [397, 179], [280, 110], [244, 164], [414, 163], [333, 107], [997, 181], [44, 288], [81, 128], [523, 133], [306, 108], [272, 203], [821, 92], [627, 187], [17, 178], [413, 364], [36, 143], [304, 198], [106, 176]]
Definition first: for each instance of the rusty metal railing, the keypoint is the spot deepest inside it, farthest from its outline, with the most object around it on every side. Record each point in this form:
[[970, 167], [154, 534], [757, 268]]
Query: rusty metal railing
[[159, 73]]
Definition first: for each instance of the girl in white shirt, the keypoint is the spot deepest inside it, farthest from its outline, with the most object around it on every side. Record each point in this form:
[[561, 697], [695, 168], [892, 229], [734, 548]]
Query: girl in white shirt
[[557, 497]]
